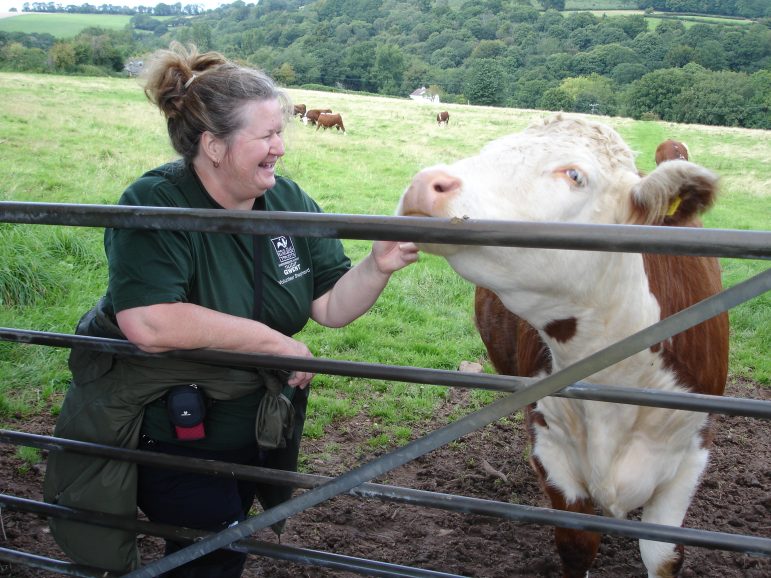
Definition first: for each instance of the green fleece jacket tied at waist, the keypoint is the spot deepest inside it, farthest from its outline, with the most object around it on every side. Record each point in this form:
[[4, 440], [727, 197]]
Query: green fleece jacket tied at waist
[[104, 404]]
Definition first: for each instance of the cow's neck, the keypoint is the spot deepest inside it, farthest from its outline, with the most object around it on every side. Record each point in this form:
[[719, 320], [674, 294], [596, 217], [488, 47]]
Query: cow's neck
[[577, 317]]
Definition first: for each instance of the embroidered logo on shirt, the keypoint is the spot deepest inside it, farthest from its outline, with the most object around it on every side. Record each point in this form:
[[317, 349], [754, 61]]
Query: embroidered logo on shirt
[[288, 261], [284, 250]]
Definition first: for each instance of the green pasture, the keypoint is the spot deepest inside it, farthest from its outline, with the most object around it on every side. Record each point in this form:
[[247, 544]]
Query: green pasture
[[82, 140], [654, 20], [62, 25], [600, 5], [690, 20]]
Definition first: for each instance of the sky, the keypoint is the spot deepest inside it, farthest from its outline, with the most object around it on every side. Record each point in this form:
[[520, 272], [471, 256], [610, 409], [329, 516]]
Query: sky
[[6, 5]]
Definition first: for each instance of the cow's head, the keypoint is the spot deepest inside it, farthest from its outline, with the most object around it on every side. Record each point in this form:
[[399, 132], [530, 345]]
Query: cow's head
[[560, 170]]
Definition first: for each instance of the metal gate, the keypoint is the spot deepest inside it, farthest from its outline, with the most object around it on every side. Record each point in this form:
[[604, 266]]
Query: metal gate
[[522, 391]]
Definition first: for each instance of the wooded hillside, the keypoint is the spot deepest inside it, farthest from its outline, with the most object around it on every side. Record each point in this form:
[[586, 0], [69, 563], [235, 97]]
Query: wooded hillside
[[487, 52]]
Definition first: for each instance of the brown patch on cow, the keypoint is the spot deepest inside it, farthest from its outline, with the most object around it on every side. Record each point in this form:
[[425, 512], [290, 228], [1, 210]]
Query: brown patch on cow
[[697, 356], [513, 345], [577, 548], [562, 330], [533, 357], [533, 418], [672, 568], [707, 434], [494, 320]]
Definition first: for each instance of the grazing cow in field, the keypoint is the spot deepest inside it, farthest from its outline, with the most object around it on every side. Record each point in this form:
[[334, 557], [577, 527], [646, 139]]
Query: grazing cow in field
[[541, 310], [671, 150], [329, 120], [313, 115], [443, 118], [299, 110]]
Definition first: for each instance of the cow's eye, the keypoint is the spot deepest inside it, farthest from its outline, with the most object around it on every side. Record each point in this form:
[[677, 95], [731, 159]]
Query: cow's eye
[[575, 175]]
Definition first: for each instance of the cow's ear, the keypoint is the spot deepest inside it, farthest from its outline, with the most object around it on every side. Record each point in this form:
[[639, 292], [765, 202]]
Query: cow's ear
[[675, 193]]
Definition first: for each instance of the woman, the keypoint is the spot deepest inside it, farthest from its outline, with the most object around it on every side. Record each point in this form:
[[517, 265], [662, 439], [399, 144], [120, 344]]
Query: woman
[[180, 290]]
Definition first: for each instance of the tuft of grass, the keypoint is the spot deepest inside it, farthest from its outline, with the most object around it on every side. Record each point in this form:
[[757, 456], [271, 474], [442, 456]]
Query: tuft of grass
[[29, 457], [380, 441], [25, 275]]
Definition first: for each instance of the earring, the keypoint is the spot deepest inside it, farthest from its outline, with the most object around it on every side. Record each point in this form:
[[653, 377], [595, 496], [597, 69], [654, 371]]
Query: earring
[[216, 164]]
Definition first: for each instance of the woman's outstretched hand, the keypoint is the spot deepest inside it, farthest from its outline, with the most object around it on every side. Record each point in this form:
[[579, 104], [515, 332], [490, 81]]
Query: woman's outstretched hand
[[391, 256]]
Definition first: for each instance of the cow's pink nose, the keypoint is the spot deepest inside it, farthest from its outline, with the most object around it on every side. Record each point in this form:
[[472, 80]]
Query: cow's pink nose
[[429, 192], [436, 181]]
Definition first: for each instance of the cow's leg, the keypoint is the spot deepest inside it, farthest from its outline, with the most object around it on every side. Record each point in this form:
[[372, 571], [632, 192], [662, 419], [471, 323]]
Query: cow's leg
[[669, 506], [577, 548]]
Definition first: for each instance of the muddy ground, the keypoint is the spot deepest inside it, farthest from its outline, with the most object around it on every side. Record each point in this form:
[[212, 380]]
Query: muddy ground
[[735, 497]]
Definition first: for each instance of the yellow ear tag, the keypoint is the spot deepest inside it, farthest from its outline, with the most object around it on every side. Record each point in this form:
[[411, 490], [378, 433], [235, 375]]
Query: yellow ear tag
[[673, 206]]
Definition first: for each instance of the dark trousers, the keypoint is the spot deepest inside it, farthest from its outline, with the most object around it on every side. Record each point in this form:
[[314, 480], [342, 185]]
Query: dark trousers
[[214, 502], [198, 501]]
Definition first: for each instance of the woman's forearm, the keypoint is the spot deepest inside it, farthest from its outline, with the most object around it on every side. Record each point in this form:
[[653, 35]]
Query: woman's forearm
[[168, 326], [351, 296]]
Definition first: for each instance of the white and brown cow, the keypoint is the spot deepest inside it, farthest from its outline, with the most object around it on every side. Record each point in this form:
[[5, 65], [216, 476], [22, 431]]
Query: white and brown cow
[[540, 310], [312, 115], [299, 110], [443, 118], [671, 150]]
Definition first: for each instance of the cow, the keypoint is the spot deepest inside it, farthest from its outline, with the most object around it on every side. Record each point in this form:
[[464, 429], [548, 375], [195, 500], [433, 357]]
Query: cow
[[299, 110], [541, 310], [671, 150], [329, 120], [313, 115], [443, 118]]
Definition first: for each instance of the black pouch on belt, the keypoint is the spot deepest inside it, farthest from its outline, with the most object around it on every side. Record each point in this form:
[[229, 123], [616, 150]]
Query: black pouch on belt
[[186, 405]]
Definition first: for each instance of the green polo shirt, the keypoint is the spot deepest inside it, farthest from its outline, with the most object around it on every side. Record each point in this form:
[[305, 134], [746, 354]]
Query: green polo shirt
[[216, 270]]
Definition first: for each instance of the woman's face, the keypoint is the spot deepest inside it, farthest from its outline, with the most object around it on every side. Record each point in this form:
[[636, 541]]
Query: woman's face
[[250, 164]]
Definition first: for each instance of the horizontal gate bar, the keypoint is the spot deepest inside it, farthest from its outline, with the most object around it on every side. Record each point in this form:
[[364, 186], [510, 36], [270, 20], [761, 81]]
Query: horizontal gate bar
[[278, 551], [52, 565], [43, 563], [504, 383], [619, 238]]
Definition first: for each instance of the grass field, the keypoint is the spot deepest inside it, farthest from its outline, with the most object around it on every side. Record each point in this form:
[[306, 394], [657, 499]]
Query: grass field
[[600, 5], [62, 25], [82, 140]]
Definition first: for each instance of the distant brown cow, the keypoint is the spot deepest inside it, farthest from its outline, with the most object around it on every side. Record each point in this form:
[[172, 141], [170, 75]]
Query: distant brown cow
[[313, 115], [299, 110], [443, 117], [328, 120], [671, 150]]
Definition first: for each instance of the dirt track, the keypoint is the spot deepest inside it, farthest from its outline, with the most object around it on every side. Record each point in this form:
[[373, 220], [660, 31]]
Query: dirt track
[[734, 498]]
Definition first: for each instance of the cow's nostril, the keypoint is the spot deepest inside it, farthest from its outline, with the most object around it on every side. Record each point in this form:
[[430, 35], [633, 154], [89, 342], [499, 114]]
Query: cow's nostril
[[444, 184]]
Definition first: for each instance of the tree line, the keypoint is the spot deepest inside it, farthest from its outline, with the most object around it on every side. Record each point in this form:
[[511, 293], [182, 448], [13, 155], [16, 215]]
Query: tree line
[[486, 52], [160, 9]]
